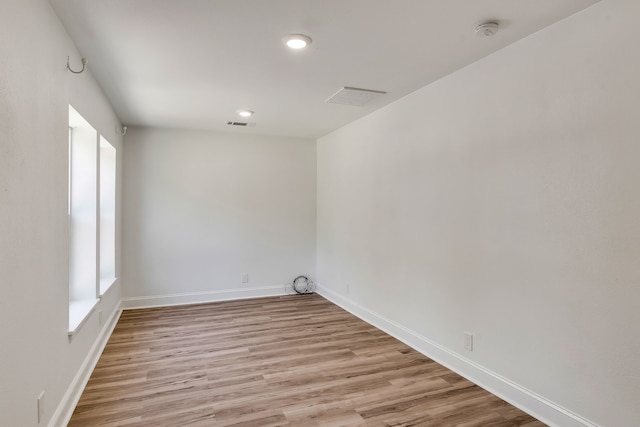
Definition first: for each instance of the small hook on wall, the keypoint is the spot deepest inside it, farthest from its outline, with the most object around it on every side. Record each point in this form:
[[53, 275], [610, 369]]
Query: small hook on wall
[[124, 131], [84, 64]]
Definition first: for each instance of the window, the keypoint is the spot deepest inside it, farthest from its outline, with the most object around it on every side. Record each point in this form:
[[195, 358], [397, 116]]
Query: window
[[107, 187], [92, 218], [83, 187]]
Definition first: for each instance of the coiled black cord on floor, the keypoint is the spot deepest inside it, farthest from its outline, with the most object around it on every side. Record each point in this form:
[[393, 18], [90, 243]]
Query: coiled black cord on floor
[[301, 285]]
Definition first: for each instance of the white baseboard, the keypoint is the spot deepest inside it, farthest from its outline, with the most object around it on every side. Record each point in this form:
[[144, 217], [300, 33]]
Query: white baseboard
[[65, 409], [535, 405], [201, 297]]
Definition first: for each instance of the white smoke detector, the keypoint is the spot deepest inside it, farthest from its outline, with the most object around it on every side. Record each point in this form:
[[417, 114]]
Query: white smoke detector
[[487, 29]]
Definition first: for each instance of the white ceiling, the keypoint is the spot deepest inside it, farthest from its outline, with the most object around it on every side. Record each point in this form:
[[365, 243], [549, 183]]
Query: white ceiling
[[193, 63]]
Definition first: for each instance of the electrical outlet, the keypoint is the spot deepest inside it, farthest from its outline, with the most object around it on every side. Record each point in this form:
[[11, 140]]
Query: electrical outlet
[[468, 341], [244, 277], [40, 404]]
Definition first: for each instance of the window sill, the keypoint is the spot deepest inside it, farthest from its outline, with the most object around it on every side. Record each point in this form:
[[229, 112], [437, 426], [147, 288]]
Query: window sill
[[79, 312], [106, 284]]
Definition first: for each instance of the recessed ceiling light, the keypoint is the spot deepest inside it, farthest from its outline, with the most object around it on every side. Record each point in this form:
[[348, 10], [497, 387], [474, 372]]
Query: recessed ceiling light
[[297, 41], [245, 113]]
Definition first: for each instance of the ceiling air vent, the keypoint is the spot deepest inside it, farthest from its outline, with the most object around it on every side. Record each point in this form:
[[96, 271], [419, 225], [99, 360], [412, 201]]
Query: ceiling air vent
[[354, 96], [241, 124]]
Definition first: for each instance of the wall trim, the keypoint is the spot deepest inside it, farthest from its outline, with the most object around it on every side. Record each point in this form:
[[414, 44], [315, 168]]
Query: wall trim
[[518, 396], [201, 297], [67, 405]]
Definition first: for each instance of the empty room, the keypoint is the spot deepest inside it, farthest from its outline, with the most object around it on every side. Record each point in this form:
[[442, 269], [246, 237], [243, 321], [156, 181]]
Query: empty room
[[320, 213]]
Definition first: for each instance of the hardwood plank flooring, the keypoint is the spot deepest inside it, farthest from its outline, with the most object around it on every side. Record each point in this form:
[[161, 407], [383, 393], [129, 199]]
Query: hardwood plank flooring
[[281, 361]]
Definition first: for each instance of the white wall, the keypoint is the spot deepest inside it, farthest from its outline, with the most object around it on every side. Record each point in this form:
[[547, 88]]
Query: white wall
[[504, 200], [201, 208], [35, 91]]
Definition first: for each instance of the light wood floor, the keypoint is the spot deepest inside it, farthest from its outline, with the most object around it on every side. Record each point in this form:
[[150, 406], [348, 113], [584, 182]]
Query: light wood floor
[[283, 361]]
